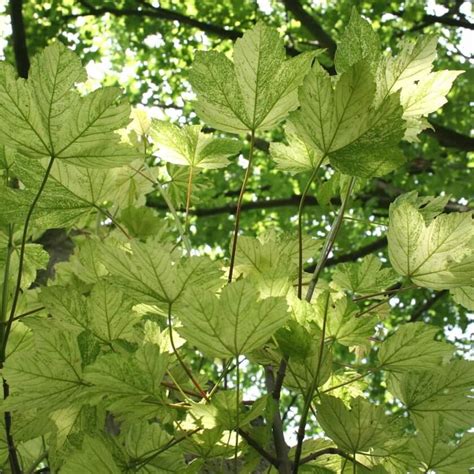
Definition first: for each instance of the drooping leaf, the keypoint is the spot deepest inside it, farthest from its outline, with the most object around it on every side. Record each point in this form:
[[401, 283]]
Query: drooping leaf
[[189, 146], [45, 117], [236, 323], [412, 347], [255, 91], [364, 277], [438, 256]]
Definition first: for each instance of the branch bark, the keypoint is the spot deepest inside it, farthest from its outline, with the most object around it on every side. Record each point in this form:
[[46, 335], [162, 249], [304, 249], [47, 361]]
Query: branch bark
[[20, 49]]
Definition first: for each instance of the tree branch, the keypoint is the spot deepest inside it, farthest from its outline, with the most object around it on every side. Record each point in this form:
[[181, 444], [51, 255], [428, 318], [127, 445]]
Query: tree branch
[[310, 24], [418, 312], [160, 13], [450, 138], [281, 448], [20, 49]]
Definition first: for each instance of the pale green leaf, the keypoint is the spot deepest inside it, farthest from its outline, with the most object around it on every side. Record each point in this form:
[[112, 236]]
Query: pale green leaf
[[106, 312], [427, 96], [413, 62], [58, 207], [93, 457], [189, 146], [342, 325], [444, 390], [296, 157], [45, 117], [364, 277], [256, 91], [421, 91], [412, 347], [272, 253], [438, 256], [436, 452], [357, 429], [110, 313], [428, 206], [142, 441], [236, 323]]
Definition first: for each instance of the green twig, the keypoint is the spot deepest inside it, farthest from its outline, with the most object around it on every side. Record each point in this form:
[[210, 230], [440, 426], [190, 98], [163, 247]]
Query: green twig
[[300, 225], [239, 207], [330, 239]]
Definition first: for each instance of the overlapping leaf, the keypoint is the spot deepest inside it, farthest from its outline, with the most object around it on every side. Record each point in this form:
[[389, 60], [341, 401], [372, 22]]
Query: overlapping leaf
[[151, 273], [412, 347], [129, 384], [50, 376], [364, 277], [189, 146], [357, 429], [255, 91], [296, 157], [436, 452], [444, 390], [43, 117], [236, 323], [107, 313]]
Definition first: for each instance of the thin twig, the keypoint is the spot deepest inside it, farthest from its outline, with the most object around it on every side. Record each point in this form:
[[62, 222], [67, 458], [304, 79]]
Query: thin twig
[[180, 360], [312, 388]]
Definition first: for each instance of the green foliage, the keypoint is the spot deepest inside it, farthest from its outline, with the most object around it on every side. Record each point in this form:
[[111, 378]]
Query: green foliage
[[149, 352]]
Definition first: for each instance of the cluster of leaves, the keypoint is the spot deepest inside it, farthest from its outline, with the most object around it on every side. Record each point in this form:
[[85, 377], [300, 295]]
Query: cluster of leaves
[[98, 364]]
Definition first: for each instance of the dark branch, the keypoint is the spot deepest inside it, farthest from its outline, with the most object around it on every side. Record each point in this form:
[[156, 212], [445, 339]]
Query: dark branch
[[160, 13], [310, 24], [427, 305], [450, 138], [20, 49], [443, 20]]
